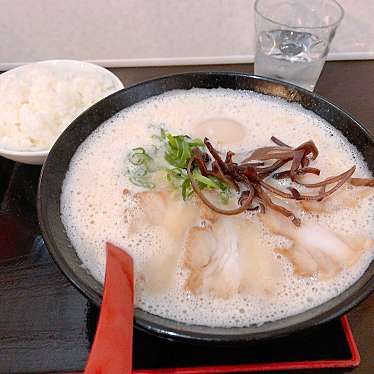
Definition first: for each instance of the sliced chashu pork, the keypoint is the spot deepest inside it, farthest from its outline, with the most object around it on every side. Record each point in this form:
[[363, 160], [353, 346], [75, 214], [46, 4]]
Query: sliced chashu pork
[[315, 249], [346, 197], [173, 217], [228, 257]]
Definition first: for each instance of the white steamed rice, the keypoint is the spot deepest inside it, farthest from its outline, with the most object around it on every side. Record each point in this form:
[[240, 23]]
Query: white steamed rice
[[39, 101]]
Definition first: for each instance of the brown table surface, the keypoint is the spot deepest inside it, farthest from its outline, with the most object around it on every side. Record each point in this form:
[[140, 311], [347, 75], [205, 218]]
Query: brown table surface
[[349, 85]]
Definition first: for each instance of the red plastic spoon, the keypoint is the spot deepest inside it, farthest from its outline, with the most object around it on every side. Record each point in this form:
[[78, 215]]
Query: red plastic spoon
[[111, 351]]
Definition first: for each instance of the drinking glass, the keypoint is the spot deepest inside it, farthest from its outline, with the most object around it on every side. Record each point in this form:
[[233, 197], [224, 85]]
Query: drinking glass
[[293, 38]]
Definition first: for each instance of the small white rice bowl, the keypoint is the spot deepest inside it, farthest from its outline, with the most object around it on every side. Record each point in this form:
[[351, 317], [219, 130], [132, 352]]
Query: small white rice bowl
[[39, 100]]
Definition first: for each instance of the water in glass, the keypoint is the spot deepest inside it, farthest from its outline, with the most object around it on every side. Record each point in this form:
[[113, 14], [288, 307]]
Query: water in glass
[[292, 56]]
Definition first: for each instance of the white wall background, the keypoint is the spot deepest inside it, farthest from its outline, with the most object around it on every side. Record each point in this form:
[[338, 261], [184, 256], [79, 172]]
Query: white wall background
[[153, 32]]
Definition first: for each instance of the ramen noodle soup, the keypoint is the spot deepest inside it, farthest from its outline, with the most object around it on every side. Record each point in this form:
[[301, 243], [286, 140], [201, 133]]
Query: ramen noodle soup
[[193, 264]]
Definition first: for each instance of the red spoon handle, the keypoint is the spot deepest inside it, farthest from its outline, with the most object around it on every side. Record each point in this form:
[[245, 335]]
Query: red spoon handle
[[111, 351]]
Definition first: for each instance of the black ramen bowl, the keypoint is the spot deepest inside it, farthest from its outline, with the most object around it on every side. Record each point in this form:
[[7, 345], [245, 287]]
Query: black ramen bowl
[[57, 164]]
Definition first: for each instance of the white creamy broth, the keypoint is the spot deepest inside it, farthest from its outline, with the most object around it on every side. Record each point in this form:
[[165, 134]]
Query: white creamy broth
[[248, 279]]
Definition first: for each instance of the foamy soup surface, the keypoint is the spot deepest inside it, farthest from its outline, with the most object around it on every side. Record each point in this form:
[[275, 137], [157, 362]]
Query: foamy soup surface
[[225, 271]]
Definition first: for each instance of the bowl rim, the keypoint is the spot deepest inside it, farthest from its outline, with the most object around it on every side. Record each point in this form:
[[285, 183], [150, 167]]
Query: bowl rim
[[220, 335], [70, 62], [23, 153]]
